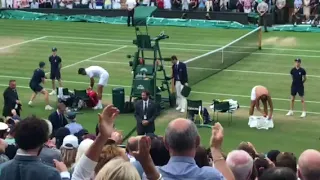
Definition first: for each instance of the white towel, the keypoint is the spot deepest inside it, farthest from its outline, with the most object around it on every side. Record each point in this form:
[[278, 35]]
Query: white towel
[[61, 95], [260, 122]]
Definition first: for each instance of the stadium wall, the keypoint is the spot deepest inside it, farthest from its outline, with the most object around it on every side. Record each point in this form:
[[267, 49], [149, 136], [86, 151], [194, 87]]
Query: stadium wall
[[225, 16]]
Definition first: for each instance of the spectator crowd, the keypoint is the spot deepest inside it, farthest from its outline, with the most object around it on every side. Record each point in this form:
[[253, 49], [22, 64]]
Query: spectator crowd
[[35, 148]]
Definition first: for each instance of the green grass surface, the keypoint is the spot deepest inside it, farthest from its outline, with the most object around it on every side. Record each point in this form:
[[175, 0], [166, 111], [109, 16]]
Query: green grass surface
[[85, 44]]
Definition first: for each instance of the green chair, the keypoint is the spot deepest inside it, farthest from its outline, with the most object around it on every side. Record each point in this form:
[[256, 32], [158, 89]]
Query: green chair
[[194, 108], [222, 107]]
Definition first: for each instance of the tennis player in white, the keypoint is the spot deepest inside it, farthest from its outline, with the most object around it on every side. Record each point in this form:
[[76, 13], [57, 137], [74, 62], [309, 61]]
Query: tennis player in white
[[96, 72]]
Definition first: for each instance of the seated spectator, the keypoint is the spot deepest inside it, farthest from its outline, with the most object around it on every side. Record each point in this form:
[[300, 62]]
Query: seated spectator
[[201, 157], [31, 134], [118, 168], [247, 6], [69, 150], [107, 5], [309, 165], [116, 4], [176, 4], [159, 154], [202, 5], [10, 137], [109, 152], [240, 163], [261, 165], [185, 5], [272, 155], [82, 149], [92, 4], [239, 5], [209, 5], [49, 152], [3, 130], [59, 136], [193, 4], [160, 4], [167, 4], [73, 126], [287, 159], [34, 5], [224, 4], [249, 148], [279, 173], [3, 157]]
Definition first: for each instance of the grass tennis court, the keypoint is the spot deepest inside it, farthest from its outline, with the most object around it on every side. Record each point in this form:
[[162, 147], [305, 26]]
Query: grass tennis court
[[24, 43]]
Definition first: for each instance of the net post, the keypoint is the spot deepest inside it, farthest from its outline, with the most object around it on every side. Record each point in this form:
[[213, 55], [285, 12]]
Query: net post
[[260, 38], [222, 58]]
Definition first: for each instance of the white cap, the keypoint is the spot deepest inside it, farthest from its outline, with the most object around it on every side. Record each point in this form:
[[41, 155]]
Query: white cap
[[3, 126], [70, 142]]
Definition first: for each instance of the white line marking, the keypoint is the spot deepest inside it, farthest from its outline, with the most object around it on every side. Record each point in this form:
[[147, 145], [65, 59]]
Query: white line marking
[[107, 94], [226, 70], [196, 92], [93, 57], [282, 110], [186, 44], [246, 96], [23, 42], [187, 49]]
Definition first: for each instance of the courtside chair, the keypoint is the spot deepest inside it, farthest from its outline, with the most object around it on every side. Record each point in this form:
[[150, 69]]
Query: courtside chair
[[222, 107], [194, 108]]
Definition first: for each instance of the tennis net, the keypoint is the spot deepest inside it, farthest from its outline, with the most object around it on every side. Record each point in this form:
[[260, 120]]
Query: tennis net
[[208, 64]]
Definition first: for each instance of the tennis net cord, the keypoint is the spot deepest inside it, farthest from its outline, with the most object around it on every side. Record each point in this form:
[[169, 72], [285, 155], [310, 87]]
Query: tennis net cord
[[208, 64]]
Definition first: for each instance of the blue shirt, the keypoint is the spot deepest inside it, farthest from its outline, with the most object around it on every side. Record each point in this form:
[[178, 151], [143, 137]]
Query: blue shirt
[[55, 63], [38, 74], [297, 76], [74, 127], [185, 168]]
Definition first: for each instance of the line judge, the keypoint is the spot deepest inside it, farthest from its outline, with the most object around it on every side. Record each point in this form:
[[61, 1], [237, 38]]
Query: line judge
[[180, 77]]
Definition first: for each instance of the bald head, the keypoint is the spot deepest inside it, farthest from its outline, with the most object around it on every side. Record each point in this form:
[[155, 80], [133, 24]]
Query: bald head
[[309, 165], [181, 136], [133, 144], [240, 163]]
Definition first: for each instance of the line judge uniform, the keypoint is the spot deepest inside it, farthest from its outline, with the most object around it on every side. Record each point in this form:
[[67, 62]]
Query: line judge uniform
[[180, 77]]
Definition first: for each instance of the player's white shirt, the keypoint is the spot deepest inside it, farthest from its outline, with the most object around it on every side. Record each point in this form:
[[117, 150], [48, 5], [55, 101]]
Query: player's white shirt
[[98, 72]]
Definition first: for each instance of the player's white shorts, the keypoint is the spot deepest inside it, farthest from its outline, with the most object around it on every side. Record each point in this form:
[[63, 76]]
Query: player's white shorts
[[253, 94], [103, 80]]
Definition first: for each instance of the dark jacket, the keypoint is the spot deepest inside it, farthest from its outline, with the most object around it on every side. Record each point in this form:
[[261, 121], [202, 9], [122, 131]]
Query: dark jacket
[[152, 113], [57, 121], [27, 168], [181, 71], [10, 96]]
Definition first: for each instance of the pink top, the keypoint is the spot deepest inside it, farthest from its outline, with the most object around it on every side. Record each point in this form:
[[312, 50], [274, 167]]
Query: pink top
[[247, 4], [260, 91]]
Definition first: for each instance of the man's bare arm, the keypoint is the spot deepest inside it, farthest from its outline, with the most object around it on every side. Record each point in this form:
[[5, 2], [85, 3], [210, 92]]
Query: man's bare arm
[[271, 107], [304, 78], [251, 110], [91, 82], [258, 105]]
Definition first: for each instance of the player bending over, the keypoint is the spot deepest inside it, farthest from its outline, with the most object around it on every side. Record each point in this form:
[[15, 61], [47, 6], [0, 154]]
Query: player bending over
[[98, 72], [299, 77], [261, 93], [35, 85], [55, 74]]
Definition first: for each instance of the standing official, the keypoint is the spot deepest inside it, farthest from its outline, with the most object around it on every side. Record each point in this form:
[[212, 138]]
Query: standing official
[[11, 100], [39, 77], [145, 114], [180, 77], [131, 4], [299, 77], [55, 74]]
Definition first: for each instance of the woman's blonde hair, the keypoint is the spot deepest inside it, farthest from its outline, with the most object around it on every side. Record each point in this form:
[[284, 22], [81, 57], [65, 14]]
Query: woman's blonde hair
[[68, 156], [108, 152], [118, 169]]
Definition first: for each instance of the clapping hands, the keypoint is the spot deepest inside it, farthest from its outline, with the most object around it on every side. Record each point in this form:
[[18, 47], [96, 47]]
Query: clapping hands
[[217, 136], [106, 120]]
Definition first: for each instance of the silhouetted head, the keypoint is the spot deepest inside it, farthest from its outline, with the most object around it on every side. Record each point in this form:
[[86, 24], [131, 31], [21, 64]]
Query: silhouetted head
[[82, 71]]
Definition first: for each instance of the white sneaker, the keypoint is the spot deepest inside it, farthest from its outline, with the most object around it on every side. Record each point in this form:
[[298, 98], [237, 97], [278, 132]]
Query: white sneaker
[[290, 113], [52, 93], [30, 103], [182, 111], [303, 115], [97, 107], [178, 108], [48, 108]]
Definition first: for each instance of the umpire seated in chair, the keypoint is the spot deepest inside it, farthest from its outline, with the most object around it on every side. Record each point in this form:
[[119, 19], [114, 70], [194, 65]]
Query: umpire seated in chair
[[145, 114]]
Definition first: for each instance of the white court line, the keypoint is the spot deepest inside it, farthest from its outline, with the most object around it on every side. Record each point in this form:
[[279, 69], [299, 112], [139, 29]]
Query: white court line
[[107, 94], [187, 49], [226, 70], [23, 42], [185, 44], [93, 57], [196, 92]]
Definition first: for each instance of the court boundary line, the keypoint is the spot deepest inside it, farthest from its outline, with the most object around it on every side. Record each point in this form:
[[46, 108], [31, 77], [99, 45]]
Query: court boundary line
[[226, 70], [187, 49], [107, 94], [23, 42], [196, 92], [186, 44], [90, 58]]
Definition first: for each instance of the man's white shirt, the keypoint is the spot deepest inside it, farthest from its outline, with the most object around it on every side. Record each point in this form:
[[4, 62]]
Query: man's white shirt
[[131, 4], [98, 72]]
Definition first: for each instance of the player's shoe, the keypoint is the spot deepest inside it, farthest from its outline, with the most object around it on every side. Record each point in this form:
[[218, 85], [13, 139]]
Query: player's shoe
[[48, 108], [178, 108], [182, 110], [52, 93], [30, 103], [97, 107], [303, 114], [290, 113]]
